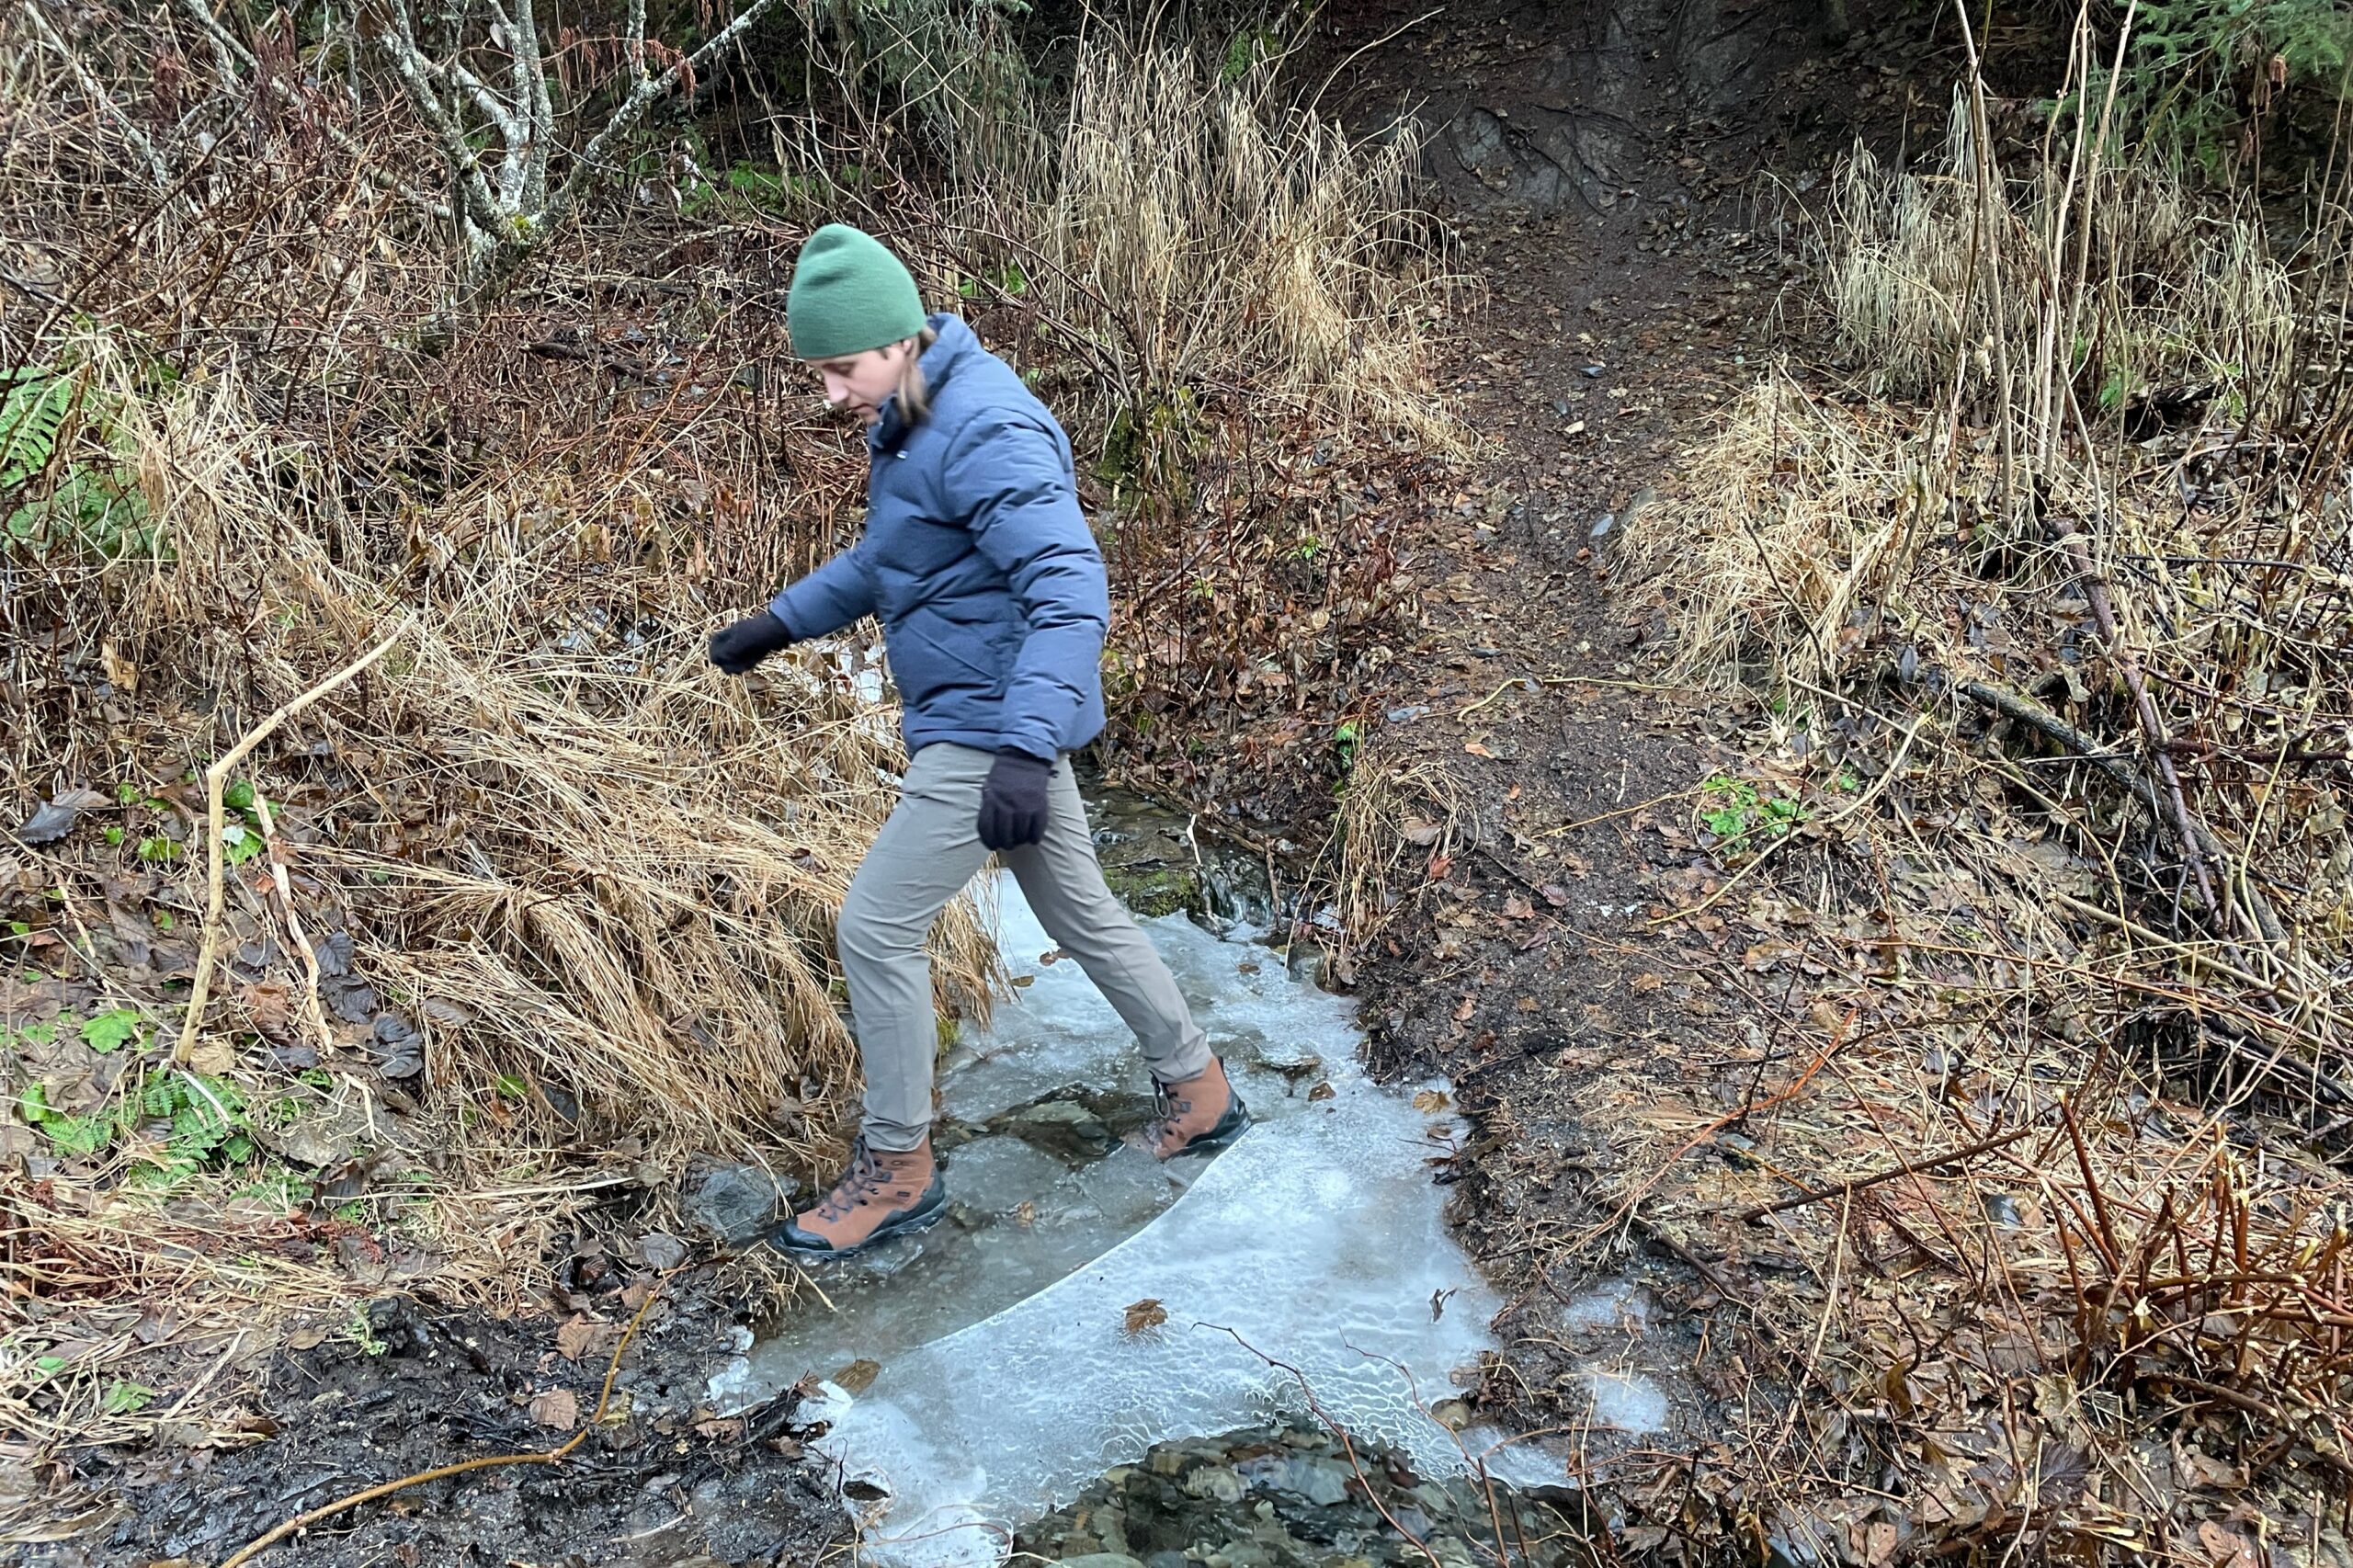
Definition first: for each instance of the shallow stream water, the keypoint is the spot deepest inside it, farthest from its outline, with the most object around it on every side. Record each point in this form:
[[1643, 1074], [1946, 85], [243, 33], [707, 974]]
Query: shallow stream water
[[1083, 1303]]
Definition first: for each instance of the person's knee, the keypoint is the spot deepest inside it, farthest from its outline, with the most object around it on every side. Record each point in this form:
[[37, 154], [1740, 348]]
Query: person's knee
[[870, 930]]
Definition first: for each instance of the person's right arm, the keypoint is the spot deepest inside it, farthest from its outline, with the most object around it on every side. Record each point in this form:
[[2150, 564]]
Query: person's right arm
[[829, 599]]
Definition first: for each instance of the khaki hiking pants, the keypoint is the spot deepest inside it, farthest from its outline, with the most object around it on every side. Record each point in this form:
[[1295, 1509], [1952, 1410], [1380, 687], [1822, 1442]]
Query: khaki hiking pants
[[923, 858]]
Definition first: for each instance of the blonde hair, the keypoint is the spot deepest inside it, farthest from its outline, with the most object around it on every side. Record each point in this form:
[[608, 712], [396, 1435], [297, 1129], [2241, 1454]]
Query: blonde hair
[[914, 394]]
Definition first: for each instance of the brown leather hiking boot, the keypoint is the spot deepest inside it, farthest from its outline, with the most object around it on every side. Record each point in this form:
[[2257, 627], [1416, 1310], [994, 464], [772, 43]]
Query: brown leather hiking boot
[[1197, 1115], [881, 1195]]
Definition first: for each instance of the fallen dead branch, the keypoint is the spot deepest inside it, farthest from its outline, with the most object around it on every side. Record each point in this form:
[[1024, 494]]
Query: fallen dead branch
[[216, 780], [1851, 1185]]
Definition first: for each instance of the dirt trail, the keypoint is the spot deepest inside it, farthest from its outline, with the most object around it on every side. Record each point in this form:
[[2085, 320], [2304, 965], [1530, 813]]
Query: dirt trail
[[1601, 167]]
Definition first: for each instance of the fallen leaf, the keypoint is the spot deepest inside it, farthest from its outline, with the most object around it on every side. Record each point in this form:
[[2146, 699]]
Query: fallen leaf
[[1025, 1213], [1645, 981], [1519, 908], [1439, 866], [573, 1338], [1431, 1101], [720, 1429], [1419, 834], [556, 1407], [1555, 894], [858, 1377], [1464, 1008], [1146, 1314], [122, 673], [1475, 749], [1323, 1091]]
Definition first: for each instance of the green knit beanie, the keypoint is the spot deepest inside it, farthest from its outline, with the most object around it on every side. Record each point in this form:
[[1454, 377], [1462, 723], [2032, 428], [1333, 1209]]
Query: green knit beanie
[[849, 295]]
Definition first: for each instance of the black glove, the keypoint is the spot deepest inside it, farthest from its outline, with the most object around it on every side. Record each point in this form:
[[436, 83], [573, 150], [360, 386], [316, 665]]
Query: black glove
[[1013, 801], [737, 648]]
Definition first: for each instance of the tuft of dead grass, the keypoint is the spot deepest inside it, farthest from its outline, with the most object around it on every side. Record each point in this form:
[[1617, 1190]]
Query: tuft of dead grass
[[1199, 236], [1400, 822], [2115, 277], [1800, 514]]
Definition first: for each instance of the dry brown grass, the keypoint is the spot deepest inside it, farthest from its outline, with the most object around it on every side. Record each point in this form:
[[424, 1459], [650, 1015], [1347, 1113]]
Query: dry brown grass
[[1801, 513], [1197, 237], [1401, 823], [638, 909], [2118, 280], [2074, 527]]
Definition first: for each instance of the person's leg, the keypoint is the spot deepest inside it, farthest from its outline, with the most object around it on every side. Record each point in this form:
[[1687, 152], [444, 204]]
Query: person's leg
[[926, 851], [1063, 883]]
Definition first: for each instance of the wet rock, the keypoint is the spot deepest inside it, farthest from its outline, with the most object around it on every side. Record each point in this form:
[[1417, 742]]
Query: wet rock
[[730, 1204], [1282, 1498], [1322, 1481], [1103, 1559], [1075, 1124], [1215, 1482], [1155, 890], [1060, 1126]]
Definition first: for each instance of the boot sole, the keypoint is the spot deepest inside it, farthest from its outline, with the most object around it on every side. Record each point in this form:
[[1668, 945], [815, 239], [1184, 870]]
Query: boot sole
[[906, 1225]]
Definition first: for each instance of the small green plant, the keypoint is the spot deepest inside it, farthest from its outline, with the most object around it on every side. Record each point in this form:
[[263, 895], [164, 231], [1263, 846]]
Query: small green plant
[[97, 504], [72, 1137], [124, 1397], [158, 849], [1250, 47], [363, 1333], [111, 1031], [1009, 279], [1736, 812]]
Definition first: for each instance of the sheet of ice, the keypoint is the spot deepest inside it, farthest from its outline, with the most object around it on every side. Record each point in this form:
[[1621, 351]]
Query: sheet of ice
[[1316, 1241], [1628, 1401]]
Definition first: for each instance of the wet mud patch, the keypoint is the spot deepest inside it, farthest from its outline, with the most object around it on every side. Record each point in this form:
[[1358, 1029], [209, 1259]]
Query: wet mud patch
[[661, 1480]]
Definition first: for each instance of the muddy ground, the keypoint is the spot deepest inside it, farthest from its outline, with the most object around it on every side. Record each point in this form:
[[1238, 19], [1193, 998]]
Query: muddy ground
[[659, 1481]]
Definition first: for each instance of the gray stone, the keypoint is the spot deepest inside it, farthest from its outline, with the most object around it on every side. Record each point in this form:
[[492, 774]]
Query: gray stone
[[730, 1204], [1060, 1127], [1215, 1482], [1100, 1560]]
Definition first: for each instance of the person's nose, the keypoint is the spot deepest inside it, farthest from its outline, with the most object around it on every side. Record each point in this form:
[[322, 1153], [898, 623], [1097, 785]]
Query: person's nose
[[836, 388]]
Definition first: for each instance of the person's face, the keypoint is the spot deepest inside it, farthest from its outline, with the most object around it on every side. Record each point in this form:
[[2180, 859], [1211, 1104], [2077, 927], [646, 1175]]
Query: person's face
[[863, 382]]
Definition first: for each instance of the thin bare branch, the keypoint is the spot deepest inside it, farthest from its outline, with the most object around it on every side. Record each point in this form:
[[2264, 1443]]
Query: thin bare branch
[[157, 169], [366, 156], [410, 66], [627, 117]]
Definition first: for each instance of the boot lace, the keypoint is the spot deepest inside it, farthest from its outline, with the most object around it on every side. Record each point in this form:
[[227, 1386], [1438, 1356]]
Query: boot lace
[[1168, 1106], [860, 1182]]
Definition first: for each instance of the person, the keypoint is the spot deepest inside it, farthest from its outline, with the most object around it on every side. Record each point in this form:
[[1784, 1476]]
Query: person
[[993, 600]]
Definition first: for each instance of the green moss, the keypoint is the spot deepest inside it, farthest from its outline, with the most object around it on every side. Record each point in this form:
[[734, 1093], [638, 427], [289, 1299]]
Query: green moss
[[1155, 890]]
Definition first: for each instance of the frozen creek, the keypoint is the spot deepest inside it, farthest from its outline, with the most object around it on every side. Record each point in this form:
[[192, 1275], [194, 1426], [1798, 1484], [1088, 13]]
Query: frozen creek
[[1083, 1304]]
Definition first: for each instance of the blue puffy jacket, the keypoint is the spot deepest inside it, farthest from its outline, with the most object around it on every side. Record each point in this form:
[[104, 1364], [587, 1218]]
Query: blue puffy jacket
[[975, 556]]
